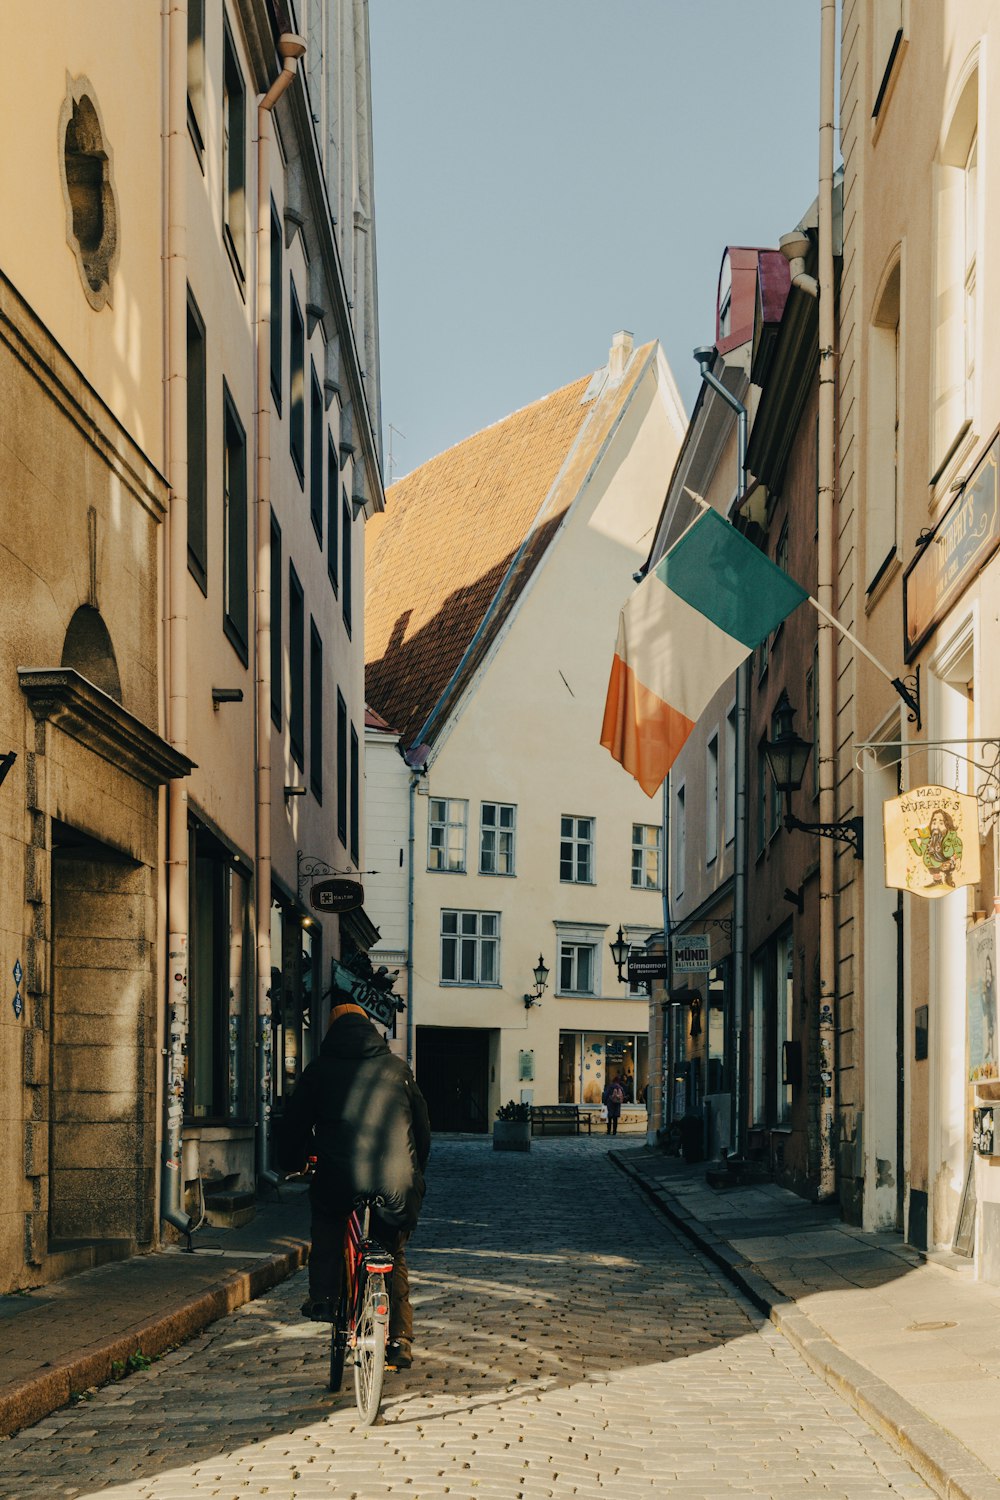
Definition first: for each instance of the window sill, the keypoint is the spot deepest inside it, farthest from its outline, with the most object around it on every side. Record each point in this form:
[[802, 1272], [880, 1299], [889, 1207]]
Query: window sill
[[198, 573], [498, 874], [437, 870], [564, 881], [880, 583], [467, 984]]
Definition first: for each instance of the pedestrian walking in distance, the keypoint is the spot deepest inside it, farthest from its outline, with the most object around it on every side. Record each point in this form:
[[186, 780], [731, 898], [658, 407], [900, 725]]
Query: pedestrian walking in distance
[[357, 1108], [613, 1098]]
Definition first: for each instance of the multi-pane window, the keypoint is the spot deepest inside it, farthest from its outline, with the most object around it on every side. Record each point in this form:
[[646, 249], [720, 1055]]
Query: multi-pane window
[[277, 321], [576, 849], [345, 570], [296, 667], [197, 447], [277, 685], [234, 496], [577, 969], [341, 768], [496, 838], [332, 507], [446, 833], [355, 796], [233, 152], [470, 947], [296, 383], [647, 840], [315, 711], [712, 799], [316, 455]]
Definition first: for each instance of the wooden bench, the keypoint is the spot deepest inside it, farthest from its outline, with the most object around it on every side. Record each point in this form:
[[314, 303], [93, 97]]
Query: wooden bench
[[561, 1117]]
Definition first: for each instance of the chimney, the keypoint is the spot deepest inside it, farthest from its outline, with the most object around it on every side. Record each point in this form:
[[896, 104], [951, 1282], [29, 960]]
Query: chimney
[[621, 353]]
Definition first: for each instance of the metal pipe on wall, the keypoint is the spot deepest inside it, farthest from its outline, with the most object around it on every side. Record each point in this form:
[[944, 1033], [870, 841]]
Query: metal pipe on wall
[[827, 665], [291, 47], [176, 603]]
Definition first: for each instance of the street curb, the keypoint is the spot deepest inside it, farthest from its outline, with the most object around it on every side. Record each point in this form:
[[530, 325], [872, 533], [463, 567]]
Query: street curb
[[939, 1458], [23, 1403]]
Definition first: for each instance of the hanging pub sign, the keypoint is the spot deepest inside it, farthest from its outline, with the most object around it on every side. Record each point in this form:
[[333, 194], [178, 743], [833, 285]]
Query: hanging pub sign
[[692, 953], [981, 999], [336, 895], [931, 841], [963, 542]]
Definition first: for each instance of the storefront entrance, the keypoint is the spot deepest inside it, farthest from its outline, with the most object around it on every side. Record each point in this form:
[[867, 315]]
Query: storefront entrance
[[453, 1070]]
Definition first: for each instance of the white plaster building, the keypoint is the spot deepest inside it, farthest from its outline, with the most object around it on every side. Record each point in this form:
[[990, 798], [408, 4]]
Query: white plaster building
[[494, 583]]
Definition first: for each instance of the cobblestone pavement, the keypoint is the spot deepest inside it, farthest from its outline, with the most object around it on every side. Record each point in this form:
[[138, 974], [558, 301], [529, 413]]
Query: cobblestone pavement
[[568, 1344]]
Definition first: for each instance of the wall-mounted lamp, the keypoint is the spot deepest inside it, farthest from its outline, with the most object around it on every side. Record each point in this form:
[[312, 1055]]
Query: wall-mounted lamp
[[787, 755], [295, 791], [6, 761], [619, 954], [541, 974], [226, 695]]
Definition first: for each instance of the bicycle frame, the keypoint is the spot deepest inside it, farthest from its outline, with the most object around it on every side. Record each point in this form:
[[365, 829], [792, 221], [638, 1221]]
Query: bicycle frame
[[362, 1323]]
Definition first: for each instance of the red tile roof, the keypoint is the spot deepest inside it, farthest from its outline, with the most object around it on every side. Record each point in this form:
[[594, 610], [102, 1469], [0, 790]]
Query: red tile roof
[[450, 533]]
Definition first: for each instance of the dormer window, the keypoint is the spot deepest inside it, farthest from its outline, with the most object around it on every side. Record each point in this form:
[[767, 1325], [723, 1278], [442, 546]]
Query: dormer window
[[725, 299]]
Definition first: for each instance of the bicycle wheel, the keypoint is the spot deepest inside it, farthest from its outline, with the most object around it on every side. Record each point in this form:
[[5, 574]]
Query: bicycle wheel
[[338, 1338], [369, 1353]]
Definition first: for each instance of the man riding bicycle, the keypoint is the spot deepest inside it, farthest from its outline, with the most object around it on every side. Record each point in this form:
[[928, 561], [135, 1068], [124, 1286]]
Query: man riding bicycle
[[357, 1108]]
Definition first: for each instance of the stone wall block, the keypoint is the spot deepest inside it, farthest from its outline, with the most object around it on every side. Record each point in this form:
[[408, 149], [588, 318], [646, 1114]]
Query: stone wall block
[[36, 1149], [34, 1056]]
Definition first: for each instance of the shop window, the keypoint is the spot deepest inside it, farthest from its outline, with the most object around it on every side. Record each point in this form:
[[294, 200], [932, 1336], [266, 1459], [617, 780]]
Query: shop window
[[715, 1028], [576, 850], [470, 947], [497, 824], [446, 829], [220, 1034]]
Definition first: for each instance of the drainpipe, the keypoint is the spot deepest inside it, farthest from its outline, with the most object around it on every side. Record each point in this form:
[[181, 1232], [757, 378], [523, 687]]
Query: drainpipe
[[411, 838], [824, 591], [705, 357], [291, 48], [171, 1182]]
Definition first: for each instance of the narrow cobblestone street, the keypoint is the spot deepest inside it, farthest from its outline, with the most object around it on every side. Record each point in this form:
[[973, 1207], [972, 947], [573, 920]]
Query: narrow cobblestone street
[[568, 1344]]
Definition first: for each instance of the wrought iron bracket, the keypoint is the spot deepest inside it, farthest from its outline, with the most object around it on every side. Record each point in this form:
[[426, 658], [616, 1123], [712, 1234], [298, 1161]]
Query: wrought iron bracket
[[847, 831], [908, 689], [725, 923], [310, 867]]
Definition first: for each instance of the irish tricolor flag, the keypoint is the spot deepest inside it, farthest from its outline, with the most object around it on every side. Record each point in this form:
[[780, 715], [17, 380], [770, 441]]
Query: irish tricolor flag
[[684, 631]]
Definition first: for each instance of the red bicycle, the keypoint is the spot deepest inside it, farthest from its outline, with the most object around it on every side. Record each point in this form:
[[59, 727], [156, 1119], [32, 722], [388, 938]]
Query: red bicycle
[[362, 1319]]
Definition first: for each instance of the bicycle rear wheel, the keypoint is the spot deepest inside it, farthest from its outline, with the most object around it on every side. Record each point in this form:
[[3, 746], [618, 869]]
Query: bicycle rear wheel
[[369, 1353], [338, 1338]]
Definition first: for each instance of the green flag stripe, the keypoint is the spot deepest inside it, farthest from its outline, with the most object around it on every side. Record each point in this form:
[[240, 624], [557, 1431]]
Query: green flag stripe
[[723, 576]]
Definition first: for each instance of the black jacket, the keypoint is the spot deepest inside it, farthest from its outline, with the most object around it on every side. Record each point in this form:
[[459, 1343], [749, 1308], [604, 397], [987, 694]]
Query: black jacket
[[358, 1109]]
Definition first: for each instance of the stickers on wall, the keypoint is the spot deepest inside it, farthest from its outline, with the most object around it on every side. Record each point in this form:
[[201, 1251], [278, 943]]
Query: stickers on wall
[[17, 1004]]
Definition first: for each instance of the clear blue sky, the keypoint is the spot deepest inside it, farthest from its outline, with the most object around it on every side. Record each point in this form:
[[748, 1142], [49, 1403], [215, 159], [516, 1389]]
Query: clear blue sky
[[549, 171]]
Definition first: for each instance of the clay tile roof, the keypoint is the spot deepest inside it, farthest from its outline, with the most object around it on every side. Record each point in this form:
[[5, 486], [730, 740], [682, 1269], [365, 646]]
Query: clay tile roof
[[376, 721], [451, 530]]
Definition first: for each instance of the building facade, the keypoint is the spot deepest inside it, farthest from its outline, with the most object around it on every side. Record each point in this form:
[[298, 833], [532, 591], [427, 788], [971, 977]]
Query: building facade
[[190, 451], [488, 660]]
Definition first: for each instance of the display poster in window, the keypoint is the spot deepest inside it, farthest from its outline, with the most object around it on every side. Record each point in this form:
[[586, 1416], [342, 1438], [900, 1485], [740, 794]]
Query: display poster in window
[[981, 998], [931, 841]]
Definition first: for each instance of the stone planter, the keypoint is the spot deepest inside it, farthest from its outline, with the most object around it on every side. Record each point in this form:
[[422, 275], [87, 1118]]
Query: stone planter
[[512, 1135]]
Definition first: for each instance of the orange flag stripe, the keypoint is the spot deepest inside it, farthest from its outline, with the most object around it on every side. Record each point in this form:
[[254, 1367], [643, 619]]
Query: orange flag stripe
[[643, 734]]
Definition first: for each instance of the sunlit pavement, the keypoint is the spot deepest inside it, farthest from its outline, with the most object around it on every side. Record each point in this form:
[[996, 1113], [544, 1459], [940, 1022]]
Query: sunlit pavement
[[567, 1343]]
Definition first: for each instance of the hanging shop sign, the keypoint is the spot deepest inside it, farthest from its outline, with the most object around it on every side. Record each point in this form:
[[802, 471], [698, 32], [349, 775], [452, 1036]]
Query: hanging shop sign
[[981, 999], [692, 953], [963, 541], [931, 841], [644, 967], [336, 895], [374, 994]]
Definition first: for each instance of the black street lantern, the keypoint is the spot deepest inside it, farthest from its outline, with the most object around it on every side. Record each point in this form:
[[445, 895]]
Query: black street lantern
[[788, 753], [619, 953], [541, 975]]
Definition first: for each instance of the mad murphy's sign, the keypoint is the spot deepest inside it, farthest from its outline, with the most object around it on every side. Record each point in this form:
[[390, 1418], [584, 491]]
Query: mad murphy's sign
[[963, 542]]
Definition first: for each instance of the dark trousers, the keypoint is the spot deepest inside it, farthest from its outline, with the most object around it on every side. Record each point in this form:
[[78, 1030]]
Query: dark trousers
[[326, 1263], [613, 1121]]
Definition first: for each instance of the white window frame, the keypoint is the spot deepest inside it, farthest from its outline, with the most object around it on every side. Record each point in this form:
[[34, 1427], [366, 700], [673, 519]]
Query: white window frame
[[572, 950], [449, 822], [642, 848], [577, 842], [499, 833], [712, 798], [468, 931]]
